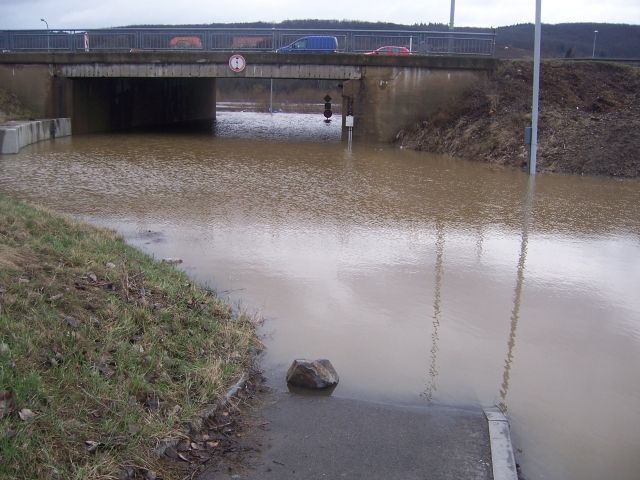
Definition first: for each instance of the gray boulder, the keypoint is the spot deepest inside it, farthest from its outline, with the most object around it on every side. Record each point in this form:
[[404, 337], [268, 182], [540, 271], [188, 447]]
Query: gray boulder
[[315, 375]]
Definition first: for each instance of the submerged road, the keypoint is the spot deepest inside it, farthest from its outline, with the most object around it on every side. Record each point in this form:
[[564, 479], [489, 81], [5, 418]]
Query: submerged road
[[321, 437]]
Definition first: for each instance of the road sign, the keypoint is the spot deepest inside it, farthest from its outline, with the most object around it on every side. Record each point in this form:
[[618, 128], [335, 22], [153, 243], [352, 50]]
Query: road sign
[[328, 113], [348, 121], [237, 63]]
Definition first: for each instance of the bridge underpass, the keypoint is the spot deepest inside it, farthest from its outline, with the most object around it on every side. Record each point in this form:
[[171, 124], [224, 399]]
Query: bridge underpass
[[118, 91]]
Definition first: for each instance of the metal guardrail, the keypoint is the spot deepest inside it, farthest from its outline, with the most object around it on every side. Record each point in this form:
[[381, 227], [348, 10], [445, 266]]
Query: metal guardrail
[[241, 39]]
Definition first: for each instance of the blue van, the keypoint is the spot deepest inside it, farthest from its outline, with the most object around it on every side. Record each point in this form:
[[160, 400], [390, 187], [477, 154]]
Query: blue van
[[314, 44]]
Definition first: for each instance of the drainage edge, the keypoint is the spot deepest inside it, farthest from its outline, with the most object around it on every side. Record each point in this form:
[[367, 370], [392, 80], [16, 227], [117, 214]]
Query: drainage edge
[[502, 458]]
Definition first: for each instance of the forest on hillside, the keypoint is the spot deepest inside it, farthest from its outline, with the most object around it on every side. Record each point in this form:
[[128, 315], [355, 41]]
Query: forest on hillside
[[514, 41]]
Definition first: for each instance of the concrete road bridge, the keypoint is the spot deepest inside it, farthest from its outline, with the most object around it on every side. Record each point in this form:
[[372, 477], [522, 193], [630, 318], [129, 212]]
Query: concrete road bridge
[[120, 90]]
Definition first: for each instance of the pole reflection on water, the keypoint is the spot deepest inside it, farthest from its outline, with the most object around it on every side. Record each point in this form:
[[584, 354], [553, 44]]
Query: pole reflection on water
[[517, 296], [336, 249], [431, 387]]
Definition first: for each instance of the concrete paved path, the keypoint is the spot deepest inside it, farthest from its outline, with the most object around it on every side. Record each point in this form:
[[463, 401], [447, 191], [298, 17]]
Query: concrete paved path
[[320, 437]]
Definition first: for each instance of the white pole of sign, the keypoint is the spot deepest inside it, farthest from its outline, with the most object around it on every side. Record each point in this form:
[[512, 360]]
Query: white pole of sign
[[271, 98], [536, 91], [349, 124]]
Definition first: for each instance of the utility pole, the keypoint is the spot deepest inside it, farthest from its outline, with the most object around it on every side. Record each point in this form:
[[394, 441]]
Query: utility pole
[[451, 24], [453, 14], [536, 91]]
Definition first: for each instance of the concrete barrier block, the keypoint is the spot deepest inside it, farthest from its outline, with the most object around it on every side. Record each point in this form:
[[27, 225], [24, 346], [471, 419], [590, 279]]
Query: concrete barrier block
[[15, 135]]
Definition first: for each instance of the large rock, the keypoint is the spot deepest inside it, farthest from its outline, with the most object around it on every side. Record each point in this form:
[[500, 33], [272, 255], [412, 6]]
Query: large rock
[[316, 374]]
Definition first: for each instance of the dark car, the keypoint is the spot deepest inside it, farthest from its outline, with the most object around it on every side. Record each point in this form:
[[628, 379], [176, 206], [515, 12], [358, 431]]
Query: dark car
[[313, 44]]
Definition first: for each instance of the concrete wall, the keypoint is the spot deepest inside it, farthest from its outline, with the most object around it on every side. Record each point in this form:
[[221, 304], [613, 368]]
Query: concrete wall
[[113, 104], [387, 100], [15, 135], [32, 85]]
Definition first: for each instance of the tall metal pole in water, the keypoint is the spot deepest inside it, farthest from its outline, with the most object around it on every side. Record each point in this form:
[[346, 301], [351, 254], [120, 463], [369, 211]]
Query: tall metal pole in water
[[453, 14], [451, 24], [536, 91], [595, 36]]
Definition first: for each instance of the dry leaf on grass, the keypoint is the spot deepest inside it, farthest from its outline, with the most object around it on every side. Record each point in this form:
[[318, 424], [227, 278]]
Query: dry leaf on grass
[[26, 415]]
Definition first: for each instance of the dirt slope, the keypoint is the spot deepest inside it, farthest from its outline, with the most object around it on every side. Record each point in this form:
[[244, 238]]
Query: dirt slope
[[589, 119]]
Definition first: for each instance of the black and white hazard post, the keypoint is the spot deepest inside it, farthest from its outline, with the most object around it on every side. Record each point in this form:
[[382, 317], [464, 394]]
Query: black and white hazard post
[[348, 122]]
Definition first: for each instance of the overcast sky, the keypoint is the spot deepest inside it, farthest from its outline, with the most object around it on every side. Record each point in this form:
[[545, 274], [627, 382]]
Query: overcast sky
[[68, 14]]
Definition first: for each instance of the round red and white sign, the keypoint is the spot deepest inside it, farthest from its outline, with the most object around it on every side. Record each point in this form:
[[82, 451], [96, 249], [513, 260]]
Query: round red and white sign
[[237, 63]]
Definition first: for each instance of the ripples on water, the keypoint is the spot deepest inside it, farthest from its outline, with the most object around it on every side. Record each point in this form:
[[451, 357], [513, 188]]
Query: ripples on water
[[423, 278]]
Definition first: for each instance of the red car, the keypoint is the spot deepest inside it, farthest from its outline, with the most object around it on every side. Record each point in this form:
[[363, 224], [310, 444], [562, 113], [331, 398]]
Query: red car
[[390, 50], [185, 42]]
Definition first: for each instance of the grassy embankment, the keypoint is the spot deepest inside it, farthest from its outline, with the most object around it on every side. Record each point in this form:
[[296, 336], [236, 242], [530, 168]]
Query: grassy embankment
[[104, 352]]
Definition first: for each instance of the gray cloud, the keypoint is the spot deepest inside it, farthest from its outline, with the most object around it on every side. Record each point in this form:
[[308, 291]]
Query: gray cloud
[[91, 14]]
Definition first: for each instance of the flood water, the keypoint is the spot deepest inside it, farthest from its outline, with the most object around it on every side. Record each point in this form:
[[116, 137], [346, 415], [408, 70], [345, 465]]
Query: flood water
[[424, 279]]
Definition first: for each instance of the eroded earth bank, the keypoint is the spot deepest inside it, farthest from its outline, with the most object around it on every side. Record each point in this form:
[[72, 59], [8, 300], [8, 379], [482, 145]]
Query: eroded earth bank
[[589, 119]]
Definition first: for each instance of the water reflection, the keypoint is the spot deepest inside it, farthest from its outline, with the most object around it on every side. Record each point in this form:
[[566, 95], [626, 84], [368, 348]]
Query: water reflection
[[431, 387], [517, 296], [479, 242]]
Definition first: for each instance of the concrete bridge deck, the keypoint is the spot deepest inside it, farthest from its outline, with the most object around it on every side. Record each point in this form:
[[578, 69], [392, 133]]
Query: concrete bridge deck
[[215, 64]]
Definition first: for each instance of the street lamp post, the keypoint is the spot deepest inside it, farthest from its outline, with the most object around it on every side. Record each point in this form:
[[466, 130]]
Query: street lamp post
[[452, 15], [536, 91], [595, 36], [45, 22]]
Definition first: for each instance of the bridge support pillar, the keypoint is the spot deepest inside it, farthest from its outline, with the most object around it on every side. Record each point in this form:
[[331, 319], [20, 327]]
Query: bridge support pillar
[[113, 104]]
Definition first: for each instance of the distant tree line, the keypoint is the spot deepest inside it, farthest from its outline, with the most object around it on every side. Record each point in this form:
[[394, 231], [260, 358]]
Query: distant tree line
[[575, 39], [560, 40]]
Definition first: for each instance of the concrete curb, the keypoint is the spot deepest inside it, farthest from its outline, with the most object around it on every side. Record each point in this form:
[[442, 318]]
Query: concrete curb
[[17, 134], [502, 458]]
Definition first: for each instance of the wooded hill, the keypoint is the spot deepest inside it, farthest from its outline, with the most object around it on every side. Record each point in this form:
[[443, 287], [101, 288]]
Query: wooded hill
[[514, 41]]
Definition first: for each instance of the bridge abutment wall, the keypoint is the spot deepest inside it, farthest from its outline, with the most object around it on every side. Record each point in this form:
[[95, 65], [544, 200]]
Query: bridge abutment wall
[[34, 87], [386, 100]]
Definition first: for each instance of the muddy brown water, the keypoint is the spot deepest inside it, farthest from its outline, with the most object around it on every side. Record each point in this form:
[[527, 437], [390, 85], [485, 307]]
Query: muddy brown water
[[424, 279]]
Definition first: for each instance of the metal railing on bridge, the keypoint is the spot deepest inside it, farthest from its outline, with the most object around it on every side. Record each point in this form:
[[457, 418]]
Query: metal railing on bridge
[[241, 39]]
